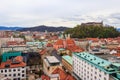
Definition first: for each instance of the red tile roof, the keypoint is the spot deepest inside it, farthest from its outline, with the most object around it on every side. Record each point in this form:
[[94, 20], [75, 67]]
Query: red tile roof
[[49, 45], [118, 54], [9, 43], [19, 58], [42, 51], [59, 42], [68, 44], [21, 64], [75, 49], [63, 75], [12, 43], [93, 39], [70, 41], [44, 77]]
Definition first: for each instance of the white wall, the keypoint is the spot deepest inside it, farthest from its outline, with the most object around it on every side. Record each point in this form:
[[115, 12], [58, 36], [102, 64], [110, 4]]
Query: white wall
[[86, 71]]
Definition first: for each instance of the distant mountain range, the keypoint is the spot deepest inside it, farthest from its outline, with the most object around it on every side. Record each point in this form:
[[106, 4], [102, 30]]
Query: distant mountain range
[[9, 28], [43, 28]]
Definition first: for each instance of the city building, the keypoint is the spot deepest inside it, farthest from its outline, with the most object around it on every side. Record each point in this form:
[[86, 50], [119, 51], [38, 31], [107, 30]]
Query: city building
[[67, 63], [93, 24], [14, 69], [38, 44], [18, 48], [68, 44], [62, 74], [10, 55], [90, 67], [50, 63]]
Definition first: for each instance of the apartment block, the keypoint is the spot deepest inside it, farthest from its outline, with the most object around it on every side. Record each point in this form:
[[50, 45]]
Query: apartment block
[[90, 67]]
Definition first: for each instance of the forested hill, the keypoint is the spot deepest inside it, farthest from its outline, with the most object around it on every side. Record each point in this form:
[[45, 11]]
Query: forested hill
[[81, 31], [43, 28]]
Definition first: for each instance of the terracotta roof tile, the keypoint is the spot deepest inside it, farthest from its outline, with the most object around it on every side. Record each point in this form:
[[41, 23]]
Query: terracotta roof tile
[[59, 42], [49, 45], [63, 75], [43, 52], [9, 62], [44, 77]]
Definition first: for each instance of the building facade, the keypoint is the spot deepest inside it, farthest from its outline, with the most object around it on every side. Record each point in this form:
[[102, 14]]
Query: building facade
[[14, 69], [18, 73], [89, 67], [67, 63]]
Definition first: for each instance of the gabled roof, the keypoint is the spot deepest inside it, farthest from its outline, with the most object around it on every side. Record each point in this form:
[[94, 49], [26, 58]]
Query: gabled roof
[[49, 45], [43, 52], [19, 58], [9, 62], [63, 75], [44, 77], [75, 49], [59, 42], [70, 41]]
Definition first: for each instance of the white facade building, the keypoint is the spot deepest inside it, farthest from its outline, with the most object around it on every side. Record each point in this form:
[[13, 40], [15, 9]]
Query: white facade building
[[13, 69], [90, 67], [18, 73]]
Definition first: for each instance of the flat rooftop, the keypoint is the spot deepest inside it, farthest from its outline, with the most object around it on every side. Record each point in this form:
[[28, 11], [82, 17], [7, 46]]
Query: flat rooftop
[[100, 63], [110, 58], [68, 59], [52, 59]]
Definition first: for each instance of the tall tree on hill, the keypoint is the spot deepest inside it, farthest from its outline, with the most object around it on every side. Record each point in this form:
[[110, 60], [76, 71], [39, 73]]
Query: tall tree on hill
[[81, 31]]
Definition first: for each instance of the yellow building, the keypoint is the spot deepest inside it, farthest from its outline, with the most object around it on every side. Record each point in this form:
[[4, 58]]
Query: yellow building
[[67, 63]]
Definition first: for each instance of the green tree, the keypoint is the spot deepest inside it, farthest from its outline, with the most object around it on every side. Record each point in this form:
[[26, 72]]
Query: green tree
[[81, 31]]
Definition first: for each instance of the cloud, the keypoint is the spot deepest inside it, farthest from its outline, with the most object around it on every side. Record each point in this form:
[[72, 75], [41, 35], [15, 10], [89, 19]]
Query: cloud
[[58, 12]]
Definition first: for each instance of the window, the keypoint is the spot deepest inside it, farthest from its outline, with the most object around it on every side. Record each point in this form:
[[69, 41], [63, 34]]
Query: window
[[91, 69], [5, 70], [88, 67], [18, 74], [104, 78], [104, 73], [99, 75], [9, 70], [9, 74], [14, 75], [18, 78], [87, 77], [95, 72], [48, 68], [88, 72], [1, 71], [18, 69], [14, 70], [95, 77], [91, 74], [5, 75], [23, 75], [14, 79], [23, 71]]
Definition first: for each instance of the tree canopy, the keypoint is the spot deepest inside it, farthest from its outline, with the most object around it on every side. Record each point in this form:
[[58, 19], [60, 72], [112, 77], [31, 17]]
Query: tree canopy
[[81, 31]]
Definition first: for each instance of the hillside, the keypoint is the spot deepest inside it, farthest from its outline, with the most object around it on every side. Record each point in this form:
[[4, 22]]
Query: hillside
[[81, 31], [42, 28]]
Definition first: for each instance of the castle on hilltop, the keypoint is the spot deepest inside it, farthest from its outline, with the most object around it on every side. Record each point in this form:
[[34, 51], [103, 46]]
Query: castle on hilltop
[[93, 24]]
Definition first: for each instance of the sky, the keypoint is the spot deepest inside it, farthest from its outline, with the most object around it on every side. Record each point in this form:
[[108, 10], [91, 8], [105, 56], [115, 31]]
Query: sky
[[69, 13]]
